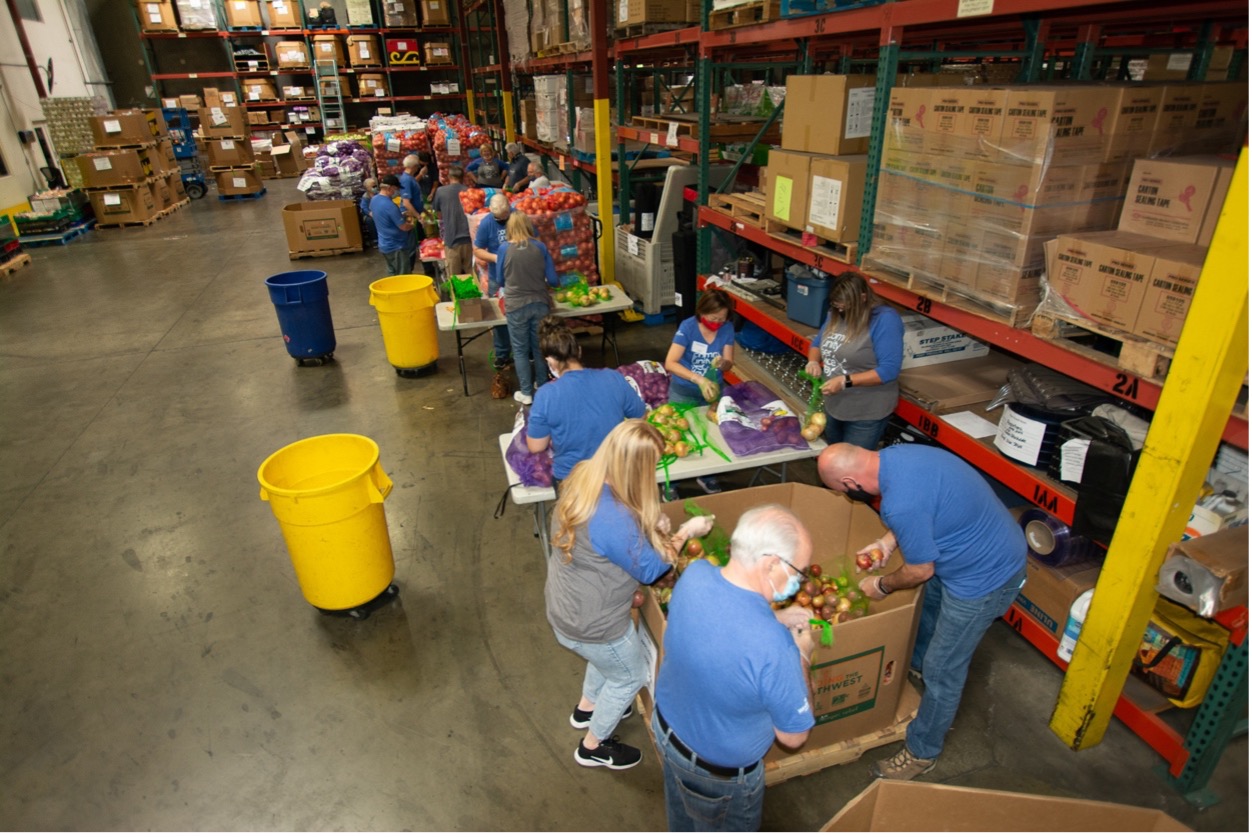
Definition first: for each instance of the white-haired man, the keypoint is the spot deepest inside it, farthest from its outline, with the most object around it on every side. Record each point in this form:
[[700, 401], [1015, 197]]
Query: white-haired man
[[487, 243], [410, 188], [518, 176], [734, 677]]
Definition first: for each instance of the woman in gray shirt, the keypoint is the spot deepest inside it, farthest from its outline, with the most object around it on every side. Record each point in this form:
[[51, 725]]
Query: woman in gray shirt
[[526, 271]]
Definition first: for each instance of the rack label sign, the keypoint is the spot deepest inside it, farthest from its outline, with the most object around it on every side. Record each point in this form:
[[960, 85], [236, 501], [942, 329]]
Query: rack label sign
[[973, 8]]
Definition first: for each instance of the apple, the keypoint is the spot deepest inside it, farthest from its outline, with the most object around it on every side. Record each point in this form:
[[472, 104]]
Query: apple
[[864, 562], [695, 548], [815, 570]]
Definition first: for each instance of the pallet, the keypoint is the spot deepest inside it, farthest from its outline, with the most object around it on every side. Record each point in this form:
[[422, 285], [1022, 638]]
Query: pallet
[[745, 14], [137, 184], [231, 168], [255, 196], [63, 237], [14, 264], [745, 207], [170, 210], [147, 222], [1014, 316], [262, 65], [825, 248], [1134, 354], [565, 48], [321, 254], [722, 129], [639, 30]]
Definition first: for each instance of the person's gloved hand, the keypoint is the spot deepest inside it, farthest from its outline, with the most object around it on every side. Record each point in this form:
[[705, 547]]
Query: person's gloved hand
[[795, 616], [664, 525], [869, 586], [872, 557], [709, 390], [814, 368], [696, 527]]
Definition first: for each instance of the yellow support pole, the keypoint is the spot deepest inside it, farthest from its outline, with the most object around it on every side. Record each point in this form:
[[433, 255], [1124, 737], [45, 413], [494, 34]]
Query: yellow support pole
[[604, 190], [1204, 379], [506, 113], [469, 105]]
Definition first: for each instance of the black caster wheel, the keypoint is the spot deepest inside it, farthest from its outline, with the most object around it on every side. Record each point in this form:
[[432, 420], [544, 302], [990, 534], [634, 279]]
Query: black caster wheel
[[195, 191], [418, 371], [321, 360], [360, 614], [362, 611]]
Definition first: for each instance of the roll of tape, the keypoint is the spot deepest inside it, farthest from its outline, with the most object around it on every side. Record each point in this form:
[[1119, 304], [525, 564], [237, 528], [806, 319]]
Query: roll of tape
[[1050, 542]]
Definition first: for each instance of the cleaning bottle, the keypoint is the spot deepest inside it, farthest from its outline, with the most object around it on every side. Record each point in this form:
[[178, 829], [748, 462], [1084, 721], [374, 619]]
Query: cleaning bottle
[[1077, 615]]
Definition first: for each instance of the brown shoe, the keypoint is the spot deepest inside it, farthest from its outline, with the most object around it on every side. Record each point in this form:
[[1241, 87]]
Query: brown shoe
[[903, 766]]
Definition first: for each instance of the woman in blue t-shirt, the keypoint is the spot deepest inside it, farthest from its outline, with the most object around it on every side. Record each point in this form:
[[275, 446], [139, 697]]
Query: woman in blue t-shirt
[[702, 351], [580, 407], [608, 537], [857, 354]]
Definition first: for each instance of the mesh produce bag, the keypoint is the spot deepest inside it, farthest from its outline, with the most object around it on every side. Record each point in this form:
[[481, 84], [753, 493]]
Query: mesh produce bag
[[754, 420], [649, 379], [534, 469]]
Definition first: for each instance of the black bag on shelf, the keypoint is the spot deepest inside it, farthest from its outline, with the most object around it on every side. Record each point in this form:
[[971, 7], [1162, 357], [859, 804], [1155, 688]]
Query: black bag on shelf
[[1106, 475]]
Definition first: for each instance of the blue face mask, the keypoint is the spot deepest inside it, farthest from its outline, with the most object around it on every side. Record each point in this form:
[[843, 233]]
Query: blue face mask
[[793, 587]]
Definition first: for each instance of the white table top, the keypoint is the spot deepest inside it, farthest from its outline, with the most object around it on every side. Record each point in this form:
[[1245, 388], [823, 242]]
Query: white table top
[[619, 301], [700, 464]]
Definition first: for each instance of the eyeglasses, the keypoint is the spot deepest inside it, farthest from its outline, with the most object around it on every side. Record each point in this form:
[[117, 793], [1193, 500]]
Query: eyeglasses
[[798, 572]]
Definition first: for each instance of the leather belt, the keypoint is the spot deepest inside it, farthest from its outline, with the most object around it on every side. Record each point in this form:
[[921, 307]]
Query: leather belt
[[685, 752]]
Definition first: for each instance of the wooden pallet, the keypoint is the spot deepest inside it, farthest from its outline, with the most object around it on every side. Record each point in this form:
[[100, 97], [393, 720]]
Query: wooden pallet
[[639, 30], [321, 254], [170, 210], [14, 264], [820, 246], [1126, 351], [564, 48], [745, 14], [1014, 316], [746, 207], [147, 181], [722, 129], [117, 225]]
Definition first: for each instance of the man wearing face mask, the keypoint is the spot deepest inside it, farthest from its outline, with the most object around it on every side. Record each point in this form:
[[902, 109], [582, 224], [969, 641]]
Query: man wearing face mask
[[958, 539], [734, 676], [574, 412]]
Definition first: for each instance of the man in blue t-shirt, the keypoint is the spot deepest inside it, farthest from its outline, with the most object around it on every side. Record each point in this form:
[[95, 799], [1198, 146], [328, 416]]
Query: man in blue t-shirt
[[958, 539], [410, 188], [487, 241], [395, 231], [518, 176], [734, 675]]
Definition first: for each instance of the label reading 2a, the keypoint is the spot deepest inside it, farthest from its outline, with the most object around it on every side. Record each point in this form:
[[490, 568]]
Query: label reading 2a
[[1127, 386], [1045, 499]]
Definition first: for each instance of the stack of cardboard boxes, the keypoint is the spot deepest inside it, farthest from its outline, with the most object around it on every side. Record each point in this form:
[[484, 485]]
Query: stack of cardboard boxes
[[246, 14], [552, 104], [976, 180], [229, 146], [132, 175]]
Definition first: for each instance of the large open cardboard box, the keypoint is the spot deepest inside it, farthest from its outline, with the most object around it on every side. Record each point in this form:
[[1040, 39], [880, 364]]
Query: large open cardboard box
[[889, 805], [315, 226], [859, 682]]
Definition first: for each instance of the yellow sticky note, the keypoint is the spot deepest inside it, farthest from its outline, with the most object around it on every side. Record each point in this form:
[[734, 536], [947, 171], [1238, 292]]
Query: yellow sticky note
[[782, 197]]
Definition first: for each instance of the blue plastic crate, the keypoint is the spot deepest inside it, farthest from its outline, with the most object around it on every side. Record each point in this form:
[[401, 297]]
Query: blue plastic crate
[[801, 8], [807, 300]]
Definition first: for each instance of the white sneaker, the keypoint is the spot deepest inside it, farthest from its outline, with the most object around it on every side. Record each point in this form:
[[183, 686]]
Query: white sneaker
[[522, 398]]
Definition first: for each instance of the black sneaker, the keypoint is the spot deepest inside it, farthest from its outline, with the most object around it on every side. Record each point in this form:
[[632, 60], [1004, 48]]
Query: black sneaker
[[581, 719], [611, 753], [709, 485]]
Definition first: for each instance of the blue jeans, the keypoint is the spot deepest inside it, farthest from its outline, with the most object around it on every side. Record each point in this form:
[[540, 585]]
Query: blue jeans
[[864, 434], [696, 800], [949, 631], [500, 344], [532, 369], [616, 671]]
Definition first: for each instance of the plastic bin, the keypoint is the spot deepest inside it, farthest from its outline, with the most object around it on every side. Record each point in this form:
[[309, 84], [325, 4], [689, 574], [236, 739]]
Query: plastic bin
[[327, 493], [302, 300], [807, 300], [406, 315]]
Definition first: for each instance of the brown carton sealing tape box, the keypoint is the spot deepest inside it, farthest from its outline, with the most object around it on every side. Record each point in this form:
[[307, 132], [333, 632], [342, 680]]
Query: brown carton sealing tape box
[[859, 681], [322, 225], [1177, 198], [889, 805]]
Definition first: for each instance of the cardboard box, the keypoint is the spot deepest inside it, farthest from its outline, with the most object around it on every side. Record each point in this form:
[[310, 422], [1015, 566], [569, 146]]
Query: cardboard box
[[292, 55], [287, 159], [1049, 592], [177, 189], [190, 101], [1207, 574], [240, 13], [1104, 275], [528, 120], [859, 681], [633, 12], [835, 191], [1133, 119], [1179, 198], [928, 342], [371, 85], [971, 118], [259, 117], [127, 127], [259, 90], [222, 122], [328, 48], [162, 197], [962, 243], [196, 15], [906, 119], [1065, 122], [130, 205], [891, 805], [961, 383], [828, 114], [283, 14], [363, 51], [400, 13], [108, 167], [435, 13], [295, 92], [787, 188], [164, 160], [157, 16], [1167, 296], [239, 182], [439, 52], [322, 225], [230, 152], [214, 98]]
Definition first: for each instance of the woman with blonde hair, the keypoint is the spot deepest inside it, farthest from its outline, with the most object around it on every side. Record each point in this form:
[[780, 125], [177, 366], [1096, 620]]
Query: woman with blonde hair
[[608, 537], [857, 353], [525, 269]]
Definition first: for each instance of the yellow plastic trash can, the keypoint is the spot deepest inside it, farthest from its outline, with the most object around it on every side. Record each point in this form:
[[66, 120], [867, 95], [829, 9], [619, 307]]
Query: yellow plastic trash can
[[327, 493], [406, 314]]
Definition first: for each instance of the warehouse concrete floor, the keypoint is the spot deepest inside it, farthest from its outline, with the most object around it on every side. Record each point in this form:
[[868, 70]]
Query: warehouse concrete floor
[[161, 669]]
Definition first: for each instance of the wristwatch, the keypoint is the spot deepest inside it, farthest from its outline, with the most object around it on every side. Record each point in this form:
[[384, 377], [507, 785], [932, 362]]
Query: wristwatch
[[847, 381]]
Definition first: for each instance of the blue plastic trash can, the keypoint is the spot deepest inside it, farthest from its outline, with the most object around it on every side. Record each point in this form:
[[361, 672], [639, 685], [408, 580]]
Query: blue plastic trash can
[[302, 300]]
